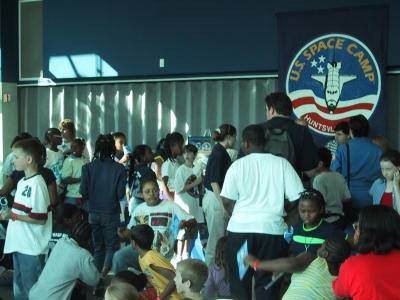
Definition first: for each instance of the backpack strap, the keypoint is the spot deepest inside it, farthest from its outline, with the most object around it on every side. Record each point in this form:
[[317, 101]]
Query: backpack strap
[[348, 164]]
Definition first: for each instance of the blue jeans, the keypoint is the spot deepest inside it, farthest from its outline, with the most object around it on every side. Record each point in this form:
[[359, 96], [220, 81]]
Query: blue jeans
[[27, 269], [105, 238], [125, 258]]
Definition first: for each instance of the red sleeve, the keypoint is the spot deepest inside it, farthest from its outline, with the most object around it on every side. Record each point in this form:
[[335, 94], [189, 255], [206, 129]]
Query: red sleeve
[[342, 284]]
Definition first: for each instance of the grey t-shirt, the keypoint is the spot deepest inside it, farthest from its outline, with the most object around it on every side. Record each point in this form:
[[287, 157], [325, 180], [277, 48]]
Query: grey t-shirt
[[67, 263], [333, 187]]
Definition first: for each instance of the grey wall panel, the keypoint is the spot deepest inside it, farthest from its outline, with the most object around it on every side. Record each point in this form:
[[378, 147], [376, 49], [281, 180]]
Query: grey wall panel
[[145, 112]]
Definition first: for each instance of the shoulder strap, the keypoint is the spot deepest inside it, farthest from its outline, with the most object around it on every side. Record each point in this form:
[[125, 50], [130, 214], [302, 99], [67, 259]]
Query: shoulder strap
[[348, 164]]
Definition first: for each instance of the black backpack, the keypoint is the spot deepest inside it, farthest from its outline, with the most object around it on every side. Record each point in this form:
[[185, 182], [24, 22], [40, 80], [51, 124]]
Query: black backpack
[[279, 143]]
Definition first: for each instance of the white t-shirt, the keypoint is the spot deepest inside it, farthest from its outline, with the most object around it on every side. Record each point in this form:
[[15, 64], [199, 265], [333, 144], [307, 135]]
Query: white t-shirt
[[333, 187], [188, 203], [31, 199], [164, 218], [72, 167], [67, 263], [169, 169], [259, 183], [54, 161]]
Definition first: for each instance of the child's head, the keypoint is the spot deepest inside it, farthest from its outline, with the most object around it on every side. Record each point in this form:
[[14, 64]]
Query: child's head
[[28, 153], [52, 137], [68, 215], [189, 153], [78, 146], [139, 281], [390, 163], [142, 236], [342, 132], [334, 250], [104, 147], [325, 158], [150, 191], [225, 133], [120, 140], [359, 126], [191, 275], [121, 291], [67, 128], [311, 207], [20, 137], [173, 145], [81, 233], [142, 154]]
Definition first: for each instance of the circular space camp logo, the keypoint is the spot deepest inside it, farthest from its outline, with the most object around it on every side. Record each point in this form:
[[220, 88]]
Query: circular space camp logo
[[332, 78]]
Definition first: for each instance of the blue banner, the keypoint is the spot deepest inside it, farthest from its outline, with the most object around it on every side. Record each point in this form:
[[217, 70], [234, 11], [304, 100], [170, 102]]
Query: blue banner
[[332, 65]]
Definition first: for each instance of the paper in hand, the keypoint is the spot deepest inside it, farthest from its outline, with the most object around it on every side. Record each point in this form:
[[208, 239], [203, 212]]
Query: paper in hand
[[241, 255]]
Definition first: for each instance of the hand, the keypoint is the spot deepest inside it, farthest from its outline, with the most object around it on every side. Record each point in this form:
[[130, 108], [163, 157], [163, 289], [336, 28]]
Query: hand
[[249, 260], [396, 178], [5, 214], [123, 233], [188, 223]]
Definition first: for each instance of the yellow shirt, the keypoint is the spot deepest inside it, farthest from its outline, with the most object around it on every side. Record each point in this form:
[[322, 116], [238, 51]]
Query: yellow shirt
[[158, 281]]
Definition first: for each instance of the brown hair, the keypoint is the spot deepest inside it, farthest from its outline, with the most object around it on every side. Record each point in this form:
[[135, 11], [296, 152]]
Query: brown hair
[[31, 147], [223, 131]]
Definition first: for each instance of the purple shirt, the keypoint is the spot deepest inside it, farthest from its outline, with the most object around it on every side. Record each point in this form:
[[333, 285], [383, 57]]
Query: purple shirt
[[216, 285]]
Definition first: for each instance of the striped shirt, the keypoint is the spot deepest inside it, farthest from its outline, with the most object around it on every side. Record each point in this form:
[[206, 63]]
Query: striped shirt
[[315, 282], [31, 199]]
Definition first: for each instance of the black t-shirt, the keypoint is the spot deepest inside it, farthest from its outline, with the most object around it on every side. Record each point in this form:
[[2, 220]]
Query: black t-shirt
[[311, 239], [46, 173], [218, 163], [304, 146]]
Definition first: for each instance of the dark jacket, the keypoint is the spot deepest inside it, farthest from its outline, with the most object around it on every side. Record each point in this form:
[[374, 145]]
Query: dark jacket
[[103, 184]]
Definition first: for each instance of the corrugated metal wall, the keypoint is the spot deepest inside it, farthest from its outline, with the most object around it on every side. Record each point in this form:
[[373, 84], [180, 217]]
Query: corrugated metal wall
[[148, 111], [145, 111]]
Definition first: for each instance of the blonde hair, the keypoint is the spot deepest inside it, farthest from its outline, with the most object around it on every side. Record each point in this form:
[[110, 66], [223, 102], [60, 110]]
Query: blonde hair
[[67, 124], [195, 271], [121, 291]]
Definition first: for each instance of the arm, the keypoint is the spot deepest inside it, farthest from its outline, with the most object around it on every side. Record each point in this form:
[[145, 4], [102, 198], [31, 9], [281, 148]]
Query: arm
[[193, 184], [396, 191], [229, 205], [168, 274], [165, 188], [89, 273], [286, 264], [70, 180], [121, 185], [52, 188], [84, 187], [217, 191], [27, 219]]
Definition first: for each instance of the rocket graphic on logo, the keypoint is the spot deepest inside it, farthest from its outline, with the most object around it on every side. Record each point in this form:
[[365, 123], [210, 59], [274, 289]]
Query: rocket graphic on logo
[[333, 83], [332, 78]]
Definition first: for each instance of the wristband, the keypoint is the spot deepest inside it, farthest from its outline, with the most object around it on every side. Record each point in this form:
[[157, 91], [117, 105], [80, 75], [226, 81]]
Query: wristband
[[256, 264]]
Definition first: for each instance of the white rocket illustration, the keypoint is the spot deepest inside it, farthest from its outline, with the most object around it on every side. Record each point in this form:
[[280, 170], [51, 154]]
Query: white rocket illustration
[[333, 84]]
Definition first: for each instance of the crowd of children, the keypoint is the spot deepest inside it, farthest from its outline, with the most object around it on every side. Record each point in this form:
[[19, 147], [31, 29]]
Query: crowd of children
[[130, 223]]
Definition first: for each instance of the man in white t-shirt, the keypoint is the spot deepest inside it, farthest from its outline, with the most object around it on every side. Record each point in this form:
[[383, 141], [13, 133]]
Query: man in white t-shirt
[[255, 189]]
